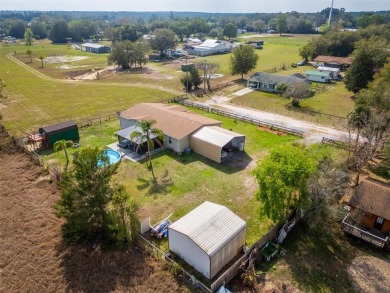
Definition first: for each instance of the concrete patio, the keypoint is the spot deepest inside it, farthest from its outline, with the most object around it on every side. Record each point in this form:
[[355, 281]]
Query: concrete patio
[[128, 153]]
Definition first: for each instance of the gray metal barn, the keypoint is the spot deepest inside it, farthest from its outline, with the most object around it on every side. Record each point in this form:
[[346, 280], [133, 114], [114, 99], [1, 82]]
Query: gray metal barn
[[207, 238]]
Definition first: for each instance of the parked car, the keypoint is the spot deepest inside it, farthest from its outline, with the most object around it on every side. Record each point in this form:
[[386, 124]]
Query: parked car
[[301, 63]]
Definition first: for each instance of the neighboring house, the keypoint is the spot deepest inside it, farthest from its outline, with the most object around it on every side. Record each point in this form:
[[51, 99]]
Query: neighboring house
[[334, 72], [369, 218], [184, 129], [207, 238], [314, 75], [95, 48], [269, 82], [208, 47], [334, 62], [241, 31]]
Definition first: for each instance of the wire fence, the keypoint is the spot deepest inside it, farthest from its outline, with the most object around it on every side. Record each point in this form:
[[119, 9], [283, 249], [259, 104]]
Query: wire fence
[[175, 268]]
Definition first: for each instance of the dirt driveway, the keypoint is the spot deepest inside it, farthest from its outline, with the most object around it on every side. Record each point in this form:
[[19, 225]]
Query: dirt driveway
[[313, 133]]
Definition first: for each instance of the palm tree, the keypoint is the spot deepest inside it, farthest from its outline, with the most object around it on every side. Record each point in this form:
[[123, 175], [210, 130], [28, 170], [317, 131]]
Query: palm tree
[[63, 145], [146, 132], [29, 52], [41, 58]]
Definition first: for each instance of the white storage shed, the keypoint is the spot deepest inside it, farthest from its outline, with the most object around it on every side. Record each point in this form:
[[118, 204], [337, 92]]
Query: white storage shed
[[207, 238]]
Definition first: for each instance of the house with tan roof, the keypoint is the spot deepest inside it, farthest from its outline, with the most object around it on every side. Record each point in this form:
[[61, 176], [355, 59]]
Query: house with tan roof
[[369, 218], [183, 129], [333, 62]]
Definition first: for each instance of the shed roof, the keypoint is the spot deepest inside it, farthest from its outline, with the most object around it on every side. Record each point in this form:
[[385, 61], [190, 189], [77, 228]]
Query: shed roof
[[173, 120], [328, 68], [317, 73], [210, 226], [372, 196], [92, 45], [275, 79], [59, 127], [216, 135], [329, 59]]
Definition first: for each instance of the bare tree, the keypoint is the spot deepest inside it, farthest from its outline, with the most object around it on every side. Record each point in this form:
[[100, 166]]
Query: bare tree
[[208, 69]]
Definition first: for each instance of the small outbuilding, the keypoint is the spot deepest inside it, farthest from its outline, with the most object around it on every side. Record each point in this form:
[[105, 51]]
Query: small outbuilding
[[67, 130], [334, 72], [314, 75], [207, 238]]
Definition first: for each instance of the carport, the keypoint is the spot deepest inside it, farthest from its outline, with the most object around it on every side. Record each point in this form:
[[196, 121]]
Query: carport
[[210, 140]]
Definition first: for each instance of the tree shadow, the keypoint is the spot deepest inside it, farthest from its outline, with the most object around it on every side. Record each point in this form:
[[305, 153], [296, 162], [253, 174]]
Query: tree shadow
[[319, 259], [95, 270], [160, 186]]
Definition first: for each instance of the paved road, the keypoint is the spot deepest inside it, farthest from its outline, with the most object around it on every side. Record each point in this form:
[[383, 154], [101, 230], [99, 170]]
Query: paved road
[[313, 133]]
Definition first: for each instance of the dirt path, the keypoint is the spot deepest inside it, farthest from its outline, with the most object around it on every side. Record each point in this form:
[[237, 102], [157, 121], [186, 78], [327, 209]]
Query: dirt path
[[370, 274], [67, 81], [313, 133]]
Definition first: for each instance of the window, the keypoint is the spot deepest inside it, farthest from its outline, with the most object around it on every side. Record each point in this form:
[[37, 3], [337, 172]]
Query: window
[[379, 220], [322, 77]]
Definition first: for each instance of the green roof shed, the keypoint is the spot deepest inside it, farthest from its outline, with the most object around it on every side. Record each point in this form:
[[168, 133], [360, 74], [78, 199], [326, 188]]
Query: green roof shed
[[67, 130]]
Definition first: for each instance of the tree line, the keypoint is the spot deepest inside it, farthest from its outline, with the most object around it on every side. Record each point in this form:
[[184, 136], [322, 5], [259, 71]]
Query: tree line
[[126, 26]]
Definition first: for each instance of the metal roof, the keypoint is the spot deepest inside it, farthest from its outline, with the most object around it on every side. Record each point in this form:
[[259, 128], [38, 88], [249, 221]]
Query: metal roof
[[328, 68], [92, 45], [59, 127], [126, 132], [210, 226], [317, 73], [216, 135]]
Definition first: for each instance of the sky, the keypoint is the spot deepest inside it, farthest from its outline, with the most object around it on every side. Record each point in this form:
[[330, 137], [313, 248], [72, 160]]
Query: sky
[[222, 6]]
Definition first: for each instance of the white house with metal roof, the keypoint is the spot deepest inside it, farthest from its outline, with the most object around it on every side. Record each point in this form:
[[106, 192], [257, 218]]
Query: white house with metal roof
[[207, 238], [209, 47], [95, 48]]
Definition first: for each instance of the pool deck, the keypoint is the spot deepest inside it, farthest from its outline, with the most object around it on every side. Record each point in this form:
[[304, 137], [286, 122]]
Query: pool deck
[[129, 154]]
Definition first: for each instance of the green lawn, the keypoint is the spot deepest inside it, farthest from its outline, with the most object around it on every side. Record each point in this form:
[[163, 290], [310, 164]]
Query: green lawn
[[33, 102], [186, 181], [336, 100]]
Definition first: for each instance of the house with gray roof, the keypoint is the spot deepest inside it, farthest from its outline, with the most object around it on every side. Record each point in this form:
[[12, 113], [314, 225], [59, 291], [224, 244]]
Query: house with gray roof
[[270, 82]]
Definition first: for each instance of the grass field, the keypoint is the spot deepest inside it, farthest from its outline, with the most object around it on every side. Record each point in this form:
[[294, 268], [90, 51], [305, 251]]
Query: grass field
[[34, 101]]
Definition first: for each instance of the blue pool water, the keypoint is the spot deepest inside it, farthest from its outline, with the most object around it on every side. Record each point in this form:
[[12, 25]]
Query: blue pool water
[[112, 155]]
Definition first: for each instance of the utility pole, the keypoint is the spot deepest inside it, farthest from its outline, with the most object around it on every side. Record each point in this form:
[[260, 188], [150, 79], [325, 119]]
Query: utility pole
[[330, 14]]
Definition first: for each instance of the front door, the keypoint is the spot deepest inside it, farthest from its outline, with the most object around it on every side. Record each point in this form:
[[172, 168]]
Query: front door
[[378, 223]]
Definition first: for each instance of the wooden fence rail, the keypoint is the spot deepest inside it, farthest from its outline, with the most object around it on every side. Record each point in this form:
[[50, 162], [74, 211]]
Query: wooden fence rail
[[243, 118]]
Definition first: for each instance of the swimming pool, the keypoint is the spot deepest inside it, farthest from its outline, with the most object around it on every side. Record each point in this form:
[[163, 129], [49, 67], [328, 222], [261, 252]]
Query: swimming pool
[[112, 155]]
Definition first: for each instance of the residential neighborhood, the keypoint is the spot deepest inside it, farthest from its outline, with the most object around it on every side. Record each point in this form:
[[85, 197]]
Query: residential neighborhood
[[195, 147]]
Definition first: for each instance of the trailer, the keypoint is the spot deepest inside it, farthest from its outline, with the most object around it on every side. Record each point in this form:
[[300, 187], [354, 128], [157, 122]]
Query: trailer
[[160, 230]]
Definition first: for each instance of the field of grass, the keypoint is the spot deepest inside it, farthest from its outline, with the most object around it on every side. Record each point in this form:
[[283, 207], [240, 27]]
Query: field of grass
[[335, 100], [34, 101]]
